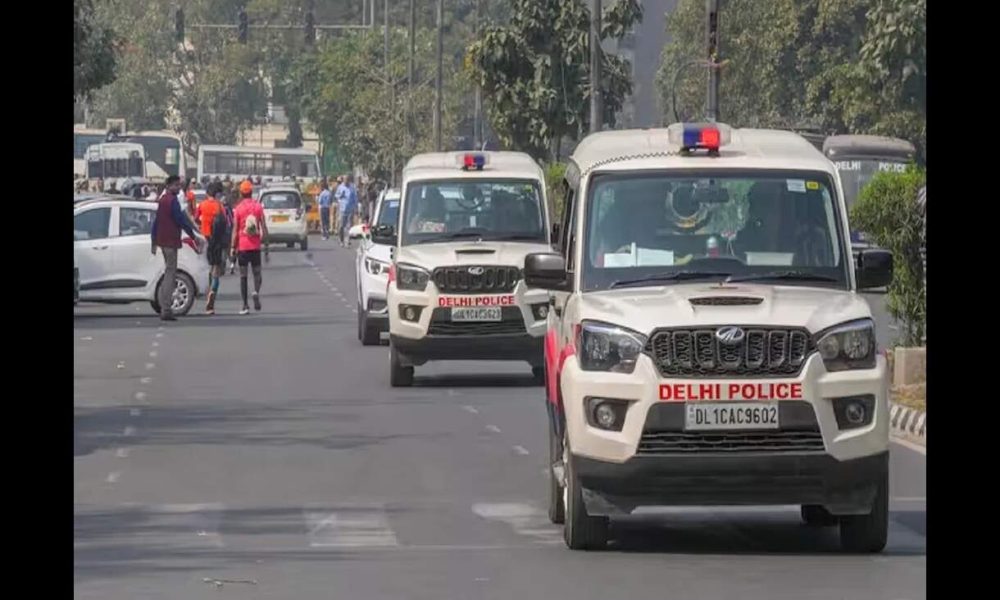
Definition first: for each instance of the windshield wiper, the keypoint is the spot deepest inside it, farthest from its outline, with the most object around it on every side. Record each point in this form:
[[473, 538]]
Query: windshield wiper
[[465, 233], [674, 276], [517, 236], [793, 275]]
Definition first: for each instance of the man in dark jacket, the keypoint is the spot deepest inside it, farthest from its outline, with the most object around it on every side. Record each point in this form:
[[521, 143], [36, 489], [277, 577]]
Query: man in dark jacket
[[170, 219]]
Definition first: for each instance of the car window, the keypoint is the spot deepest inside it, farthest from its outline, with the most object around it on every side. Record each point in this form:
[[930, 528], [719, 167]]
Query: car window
[[135, 221], [92, 224], [276, 201]]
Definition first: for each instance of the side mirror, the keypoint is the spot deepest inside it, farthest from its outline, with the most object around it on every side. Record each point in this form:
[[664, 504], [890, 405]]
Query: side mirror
[[546, 271], [384, 234], [357, 232], [874, 268]]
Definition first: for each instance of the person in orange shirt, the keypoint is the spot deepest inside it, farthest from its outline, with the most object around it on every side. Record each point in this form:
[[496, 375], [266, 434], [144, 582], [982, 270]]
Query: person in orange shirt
[[215, 226], [189, 196]]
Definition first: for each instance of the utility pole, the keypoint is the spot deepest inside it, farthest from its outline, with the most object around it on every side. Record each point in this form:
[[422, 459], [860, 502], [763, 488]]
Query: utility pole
[[439, 79], [411, 67], [391, 88], [478, 115], [385, 38], [712, 39], [596, 108]]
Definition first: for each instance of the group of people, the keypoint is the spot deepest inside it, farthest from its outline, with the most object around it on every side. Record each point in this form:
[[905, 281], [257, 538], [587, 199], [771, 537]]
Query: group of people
[[223, 231], [342, 213]]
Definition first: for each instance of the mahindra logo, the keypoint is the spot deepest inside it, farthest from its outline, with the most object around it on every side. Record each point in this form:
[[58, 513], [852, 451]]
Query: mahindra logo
[[476, 270], [730, 336]]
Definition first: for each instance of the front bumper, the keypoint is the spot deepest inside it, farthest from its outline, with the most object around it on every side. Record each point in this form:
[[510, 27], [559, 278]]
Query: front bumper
[[287, 232], [459, 347], [844, 487]]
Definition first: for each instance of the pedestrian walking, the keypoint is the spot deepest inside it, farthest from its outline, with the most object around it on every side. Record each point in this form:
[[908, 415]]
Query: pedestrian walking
[[347, 199], [216, 226], [249, 232], [166, 234], [325, 200]]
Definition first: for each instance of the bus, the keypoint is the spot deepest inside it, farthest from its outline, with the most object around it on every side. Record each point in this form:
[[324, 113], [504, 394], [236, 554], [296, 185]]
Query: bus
[[115, 160], [163, 149], [858, 158], [271, 164], [83, 139]]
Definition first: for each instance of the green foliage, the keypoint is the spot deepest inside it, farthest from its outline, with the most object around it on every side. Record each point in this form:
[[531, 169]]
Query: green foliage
[[94, 56], [555, 191], [847, 66], [888, 212], [534, 71]]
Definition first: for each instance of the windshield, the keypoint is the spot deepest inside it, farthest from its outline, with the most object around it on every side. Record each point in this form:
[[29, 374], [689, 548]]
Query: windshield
[[856, 173], [699, 225], [388, 214], [438, 211], [280, 200], [163, 151]]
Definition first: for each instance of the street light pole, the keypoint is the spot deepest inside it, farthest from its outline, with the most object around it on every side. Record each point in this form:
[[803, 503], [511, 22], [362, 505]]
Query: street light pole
[[439, 79], [712, 39], [596, 110], [477, 116]]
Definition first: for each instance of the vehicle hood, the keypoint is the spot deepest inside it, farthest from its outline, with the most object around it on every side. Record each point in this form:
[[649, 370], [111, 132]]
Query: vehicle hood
[[645, 309], [431, 256]]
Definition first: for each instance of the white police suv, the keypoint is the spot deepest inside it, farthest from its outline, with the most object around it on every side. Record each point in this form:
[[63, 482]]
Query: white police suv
[[372, 270]]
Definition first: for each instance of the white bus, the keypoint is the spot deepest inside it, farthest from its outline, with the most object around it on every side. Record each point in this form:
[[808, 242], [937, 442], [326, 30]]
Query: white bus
[[271, 164], [115, 160], [163, 151]]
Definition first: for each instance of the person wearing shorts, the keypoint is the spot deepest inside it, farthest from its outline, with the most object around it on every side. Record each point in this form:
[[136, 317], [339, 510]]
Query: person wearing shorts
[[249, 232], [215, 225]]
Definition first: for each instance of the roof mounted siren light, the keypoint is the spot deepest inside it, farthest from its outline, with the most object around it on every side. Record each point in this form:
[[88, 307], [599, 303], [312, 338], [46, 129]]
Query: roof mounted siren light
[[692, 137], [473, 162]]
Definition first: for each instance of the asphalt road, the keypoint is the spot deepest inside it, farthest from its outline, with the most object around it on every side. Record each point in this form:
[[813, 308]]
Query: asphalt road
[[266, 456]]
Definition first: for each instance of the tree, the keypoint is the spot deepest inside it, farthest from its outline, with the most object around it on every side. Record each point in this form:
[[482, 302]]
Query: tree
[[889, 211], [94, 54], [535, 71]]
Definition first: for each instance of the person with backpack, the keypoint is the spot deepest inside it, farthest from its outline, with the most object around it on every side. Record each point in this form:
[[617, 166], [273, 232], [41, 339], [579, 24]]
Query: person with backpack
[[215, 225], [249, 232]]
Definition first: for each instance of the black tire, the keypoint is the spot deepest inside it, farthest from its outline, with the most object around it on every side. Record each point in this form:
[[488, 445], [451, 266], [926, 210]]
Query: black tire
[[868, 533], [360, 326], [399, 376], [183, 282], [817, 516], [369, 332], [304, 244], [538, 373], [557, 510], [580, 530]]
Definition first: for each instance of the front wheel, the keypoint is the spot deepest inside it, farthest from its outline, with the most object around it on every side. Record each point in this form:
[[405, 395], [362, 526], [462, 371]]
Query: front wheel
[[183, 298], [369, 331], [557, 506], [399, 376], [580, 531], [868, 533]]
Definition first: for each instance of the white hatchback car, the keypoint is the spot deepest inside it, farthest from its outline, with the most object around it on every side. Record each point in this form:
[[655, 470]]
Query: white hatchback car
[[372, 268], [111, 249], [286, 216]]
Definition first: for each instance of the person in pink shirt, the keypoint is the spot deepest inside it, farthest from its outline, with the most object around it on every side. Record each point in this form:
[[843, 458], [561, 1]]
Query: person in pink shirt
[[249, 232]]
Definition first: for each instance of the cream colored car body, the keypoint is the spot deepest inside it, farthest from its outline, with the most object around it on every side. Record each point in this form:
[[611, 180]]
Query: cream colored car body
[[447, 166], [643, 309]]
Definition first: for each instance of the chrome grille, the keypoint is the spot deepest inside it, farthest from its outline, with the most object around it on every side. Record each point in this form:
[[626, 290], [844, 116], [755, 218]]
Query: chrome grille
[[778, 352], [467, 280], [723, 442]]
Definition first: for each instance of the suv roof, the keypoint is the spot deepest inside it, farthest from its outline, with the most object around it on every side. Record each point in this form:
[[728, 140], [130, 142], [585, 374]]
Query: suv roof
[[651, 148], [450, 163]]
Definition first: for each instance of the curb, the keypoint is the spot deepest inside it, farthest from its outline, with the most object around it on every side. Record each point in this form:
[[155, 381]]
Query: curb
[[907, 420]]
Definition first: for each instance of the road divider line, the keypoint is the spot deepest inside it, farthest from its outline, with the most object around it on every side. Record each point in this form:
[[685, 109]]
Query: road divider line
[[121, 453], [149, 366], [140, 396], [493, 428], [521, 450], [135, 412], [524, 519], [129, 431], [113, 477], [470, 409], [349, 528]]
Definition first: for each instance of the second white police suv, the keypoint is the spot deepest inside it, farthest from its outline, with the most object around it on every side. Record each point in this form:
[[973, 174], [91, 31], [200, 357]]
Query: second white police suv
[[707, 344], [455, 288]]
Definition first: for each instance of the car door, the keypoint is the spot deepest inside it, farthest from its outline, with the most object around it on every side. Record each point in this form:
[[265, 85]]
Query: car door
[[559, 336], [91, 247], [134, 265]]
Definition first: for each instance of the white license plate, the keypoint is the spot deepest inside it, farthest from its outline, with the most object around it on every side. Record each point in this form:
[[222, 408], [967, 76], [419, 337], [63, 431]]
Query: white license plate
[[491, 313], [725, 416]]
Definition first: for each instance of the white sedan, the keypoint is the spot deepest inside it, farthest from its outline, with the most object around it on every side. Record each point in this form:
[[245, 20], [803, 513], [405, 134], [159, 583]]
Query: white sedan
[[372, 268], [112, 251]]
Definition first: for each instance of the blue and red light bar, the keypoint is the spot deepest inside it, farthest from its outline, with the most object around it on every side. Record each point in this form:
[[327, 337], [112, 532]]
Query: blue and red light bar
[[473, 161], [699, 136]]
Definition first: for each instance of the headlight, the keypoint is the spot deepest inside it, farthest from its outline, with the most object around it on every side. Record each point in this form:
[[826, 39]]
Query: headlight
[[848, 346], [376, 267], [604, 347], [409, 277]]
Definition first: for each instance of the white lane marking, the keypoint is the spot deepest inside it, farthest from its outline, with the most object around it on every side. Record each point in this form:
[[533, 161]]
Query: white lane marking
[[113, 477], [493, 428], [86, 338], [470, 409], [524, 519], [140, 396], [129, 431], [156, 344], [121, 453], [149, 366], [909, 444], [349, 528], [138, 322], [521, 450], [135, 412], [153, 354], [160, 328], [159, 335], [145, 380], [192, 521], [120, 365]]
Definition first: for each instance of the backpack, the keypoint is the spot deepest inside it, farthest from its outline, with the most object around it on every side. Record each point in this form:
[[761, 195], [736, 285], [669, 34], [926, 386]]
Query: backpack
[[220, 226], [250, 226]]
